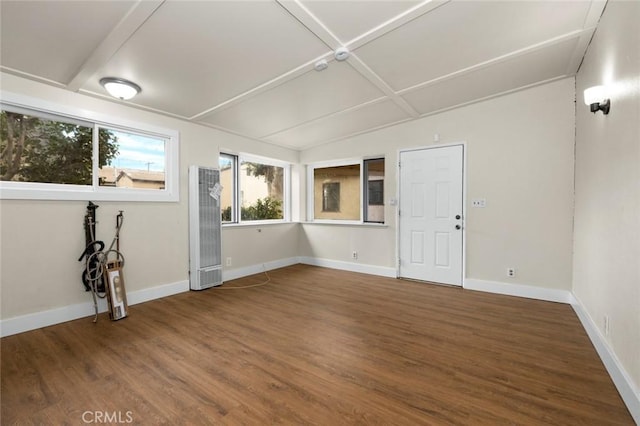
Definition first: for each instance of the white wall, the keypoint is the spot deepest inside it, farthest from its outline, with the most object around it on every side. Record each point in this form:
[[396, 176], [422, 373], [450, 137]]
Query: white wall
[[41, 240], [520, 150], [607, 212]]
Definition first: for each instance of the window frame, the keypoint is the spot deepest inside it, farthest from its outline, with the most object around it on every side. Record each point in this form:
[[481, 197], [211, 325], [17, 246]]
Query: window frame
[[239, 158], [68, 192], [311, 167], [234, 185]]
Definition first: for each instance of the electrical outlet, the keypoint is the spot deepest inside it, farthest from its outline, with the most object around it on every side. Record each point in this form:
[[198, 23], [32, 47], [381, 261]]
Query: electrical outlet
[[511, 272], [607, 325], [227, 262], [479, 203], [354, 255]]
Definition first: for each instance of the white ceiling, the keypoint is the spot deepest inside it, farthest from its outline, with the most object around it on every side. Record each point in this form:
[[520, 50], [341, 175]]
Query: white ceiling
[[247, 66]]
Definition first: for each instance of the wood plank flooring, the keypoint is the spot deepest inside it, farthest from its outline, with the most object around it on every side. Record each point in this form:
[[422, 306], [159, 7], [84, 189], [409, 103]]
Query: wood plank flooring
[[314, 346]]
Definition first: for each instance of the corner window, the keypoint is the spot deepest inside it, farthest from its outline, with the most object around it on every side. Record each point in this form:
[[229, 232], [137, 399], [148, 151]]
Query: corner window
[[351, 191], [60, 156], [228, 164], [254, 189]]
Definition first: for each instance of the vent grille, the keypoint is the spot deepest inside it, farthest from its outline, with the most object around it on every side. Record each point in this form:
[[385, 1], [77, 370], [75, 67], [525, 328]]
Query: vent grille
[[209, 215], [209, 277], [205, 248]]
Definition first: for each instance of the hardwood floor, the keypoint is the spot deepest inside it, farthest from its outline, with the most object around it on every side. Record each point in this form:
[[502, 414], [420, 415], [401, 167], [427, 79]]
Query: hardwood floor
[[314, 346]]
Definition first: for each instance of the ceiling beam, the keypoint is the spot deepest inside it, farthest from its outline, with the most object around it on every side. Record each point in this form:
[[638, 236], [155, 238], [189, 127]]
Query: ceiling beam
[[493, 61], [311, 22], [298, 11], [128, 25], [395, 22], [281, 79]]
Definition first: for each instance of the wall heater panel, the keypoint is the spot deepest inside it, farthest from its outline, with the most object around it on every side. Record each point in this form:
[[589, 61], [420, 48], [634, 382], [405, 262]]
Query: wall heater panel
[[205, 248]]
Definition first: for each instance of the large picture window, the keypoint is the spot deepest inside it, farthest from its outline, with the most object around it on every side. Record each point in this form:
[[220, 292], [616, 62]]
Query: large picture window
[[349, 191], [45, 155], [254, 189]]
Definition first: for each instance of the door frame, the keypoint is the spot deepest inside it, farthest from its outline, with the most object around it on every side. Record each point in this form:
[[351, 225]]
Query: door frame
[[464, 202]]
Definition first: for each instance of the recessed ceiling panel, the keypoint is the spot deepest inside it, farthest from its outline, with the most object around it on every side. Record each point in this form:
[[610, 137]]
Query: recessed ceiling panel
[[350, 19], [190, 56], [340, 125], [460, 34], [310, 96], [52, 39], [521, 71]]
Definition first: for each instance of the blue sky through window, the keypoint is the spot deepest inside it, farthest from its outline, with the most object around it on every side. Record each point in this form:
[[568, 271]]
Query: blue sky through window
[[139, 152]]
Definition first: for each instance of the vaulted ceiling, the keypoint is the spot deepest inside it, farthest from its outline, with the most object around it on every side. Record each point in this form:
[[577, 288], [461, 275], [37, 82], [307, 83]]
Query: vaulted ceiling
[[247, 67]]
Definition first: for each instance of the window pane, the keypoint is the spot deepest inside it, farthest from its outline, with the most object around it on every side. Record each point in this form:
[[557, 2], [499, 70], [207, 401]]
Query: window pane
[[36, 149], [347, 179], [129, 160], [374, 190], [331, 197], [261, 191], [227, 164]]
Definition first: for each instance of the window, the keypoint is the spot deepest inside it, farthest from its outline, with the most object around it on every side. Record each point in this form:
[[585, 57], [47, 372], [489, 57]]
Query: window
[[374, 190], [45, 150], [331, 197], [254, 189], [344, 197], [47, 155], [347, 191], [228, 164], [130, 160]]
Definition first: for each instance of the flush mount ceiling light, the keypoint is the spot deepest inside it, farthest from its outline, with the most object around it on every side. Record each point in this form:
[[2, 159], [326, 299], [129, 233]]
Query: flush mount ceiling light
[[120, 88], [597, 100]]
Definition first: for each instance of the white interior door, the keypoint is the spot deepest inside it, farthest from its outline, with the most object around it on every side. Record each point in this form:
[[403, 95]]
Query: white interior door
[[431, 214]]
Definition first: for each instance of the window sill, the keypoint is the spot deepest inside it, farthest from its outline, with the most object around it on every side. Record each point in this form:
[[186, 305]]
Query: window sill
[[257, 223], [346, 223], [56, 192]]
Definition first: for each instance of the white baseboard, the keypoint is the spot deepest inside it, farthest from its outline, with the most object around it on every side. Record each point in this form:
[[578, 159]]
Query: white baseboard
[[349, 266], [36, 320], [256, 269], [621, 379], [628, 391], [49, 317], [519, 290]]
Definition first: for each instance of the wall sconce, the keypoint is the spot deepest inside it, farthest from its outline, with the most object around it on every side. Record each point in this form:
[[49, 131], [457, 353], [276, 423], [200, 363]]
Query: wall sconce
[[597, 99], [120, 88]]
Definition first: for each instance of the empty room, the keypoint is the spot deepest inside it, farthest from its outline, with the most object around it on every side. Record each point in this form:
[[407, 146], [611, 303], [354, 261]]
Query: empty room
[[320, 212]]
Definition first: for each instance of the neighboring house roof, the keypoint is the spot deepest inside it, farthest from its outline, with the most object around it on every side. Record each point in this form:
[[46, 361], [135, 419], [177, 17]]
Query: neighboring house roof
[[141, 175], [110, 175]]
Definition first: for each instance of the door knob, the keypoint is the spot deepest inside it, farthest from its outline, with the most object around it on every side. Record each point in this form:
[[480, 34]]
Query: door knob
[[458, 216], [458, 226]]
